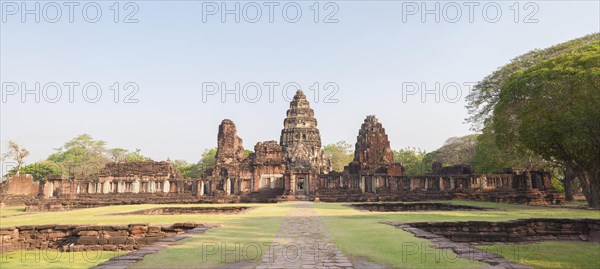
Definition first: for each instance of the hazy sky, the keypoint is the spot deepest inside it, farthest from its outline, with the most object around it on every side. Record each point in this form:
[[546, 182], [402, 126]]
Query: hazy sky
[[369, 54]]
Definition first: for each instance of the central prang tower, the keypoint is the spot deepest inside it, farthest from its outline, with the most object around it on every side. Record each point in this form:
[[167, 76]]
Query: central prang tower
[[300, 138]]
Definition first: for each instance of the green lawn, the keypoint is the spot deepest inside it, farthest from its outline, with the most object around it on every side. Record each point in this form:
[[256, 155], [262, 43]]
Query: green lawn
[[358, 233], [242, 239], [11, 210], [54, 260], [551, 254], [244, 236], [101, 215], [258, 224]]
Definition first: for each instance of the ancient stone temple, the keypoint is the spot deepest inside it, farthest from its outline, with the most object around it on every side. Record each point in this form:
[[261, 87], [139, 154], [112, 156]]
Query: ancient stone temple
[[228, 160], [372, 153], [293, 168], [301, 142], [373, 158], [300, 138], [118, 178], [290, 168]]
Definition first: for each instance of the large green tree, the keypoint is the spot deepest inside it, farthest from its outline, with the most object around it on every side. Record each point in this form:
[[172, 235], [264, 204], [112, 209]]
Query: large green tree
[[490, 157], [482, 101], [81, 155], [118, 154], [486, 93], [553, 109], [340, 155], [413, 160], [40, 170], [207, 160], [136, 156], [188, 170], [457, 150]]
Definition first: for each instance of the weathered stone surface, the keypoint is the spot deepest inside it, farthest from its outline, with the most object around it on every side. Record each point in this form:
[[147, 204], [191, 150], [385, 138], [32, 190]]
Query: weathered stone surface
[[372, 149], [124, 261], [508, 231], [300, 137], [139, 169], [187, 210], [90, 237], [230, 145], [395, 207]]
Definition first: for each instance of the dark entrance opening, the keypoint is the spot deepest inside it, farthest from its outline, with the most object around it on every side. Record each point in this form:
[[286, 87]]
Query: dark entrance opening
[[300, 186]]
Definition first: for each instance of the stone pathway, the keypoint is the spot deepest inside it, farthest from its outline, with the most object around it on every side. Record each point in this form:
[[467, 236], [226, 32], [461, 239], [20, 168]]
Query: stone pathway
[[124, 261], [463, 250], [303, 242]]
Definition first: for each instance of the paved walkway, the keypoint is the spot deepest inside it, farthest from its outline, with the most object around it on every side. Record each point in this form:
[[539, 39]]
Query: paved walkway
[[303, 242], [124, 261], [463, 250]]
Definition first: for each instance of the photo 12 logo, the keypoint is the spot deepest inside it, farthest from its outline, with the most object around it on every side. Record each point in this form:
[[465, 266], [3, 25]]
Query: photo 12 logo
[[270, 12], [254, 92], [469, 12], [449, 92], [54, 92], [70, 12]]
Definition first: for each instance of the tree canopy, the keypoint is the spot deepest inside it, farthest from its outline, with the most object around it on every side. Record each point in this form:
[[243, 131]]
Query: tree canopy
[[40, 170], [340, 154], [414, 161], [482, 100], [553, 109]]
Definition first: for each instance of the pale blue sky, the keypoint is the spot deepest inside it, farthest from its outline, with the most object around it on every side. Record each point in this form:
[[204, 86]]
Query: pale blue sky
[[170, 52]]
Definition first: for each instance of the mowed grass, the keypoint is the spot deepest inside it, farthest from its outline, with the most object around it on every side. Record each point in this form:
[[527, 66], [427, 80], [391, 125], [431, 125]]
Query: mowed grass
[[52, 259], [358, 233], [257, 225], [241, 240], [103, 215], [11, 210], [551, 254]]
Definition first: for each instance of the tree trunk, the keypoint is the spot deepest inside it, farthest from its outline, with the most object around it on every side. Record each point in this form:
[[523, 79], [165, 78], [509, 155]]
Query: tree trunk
[[594, 201], [567, 182], [590, 183]]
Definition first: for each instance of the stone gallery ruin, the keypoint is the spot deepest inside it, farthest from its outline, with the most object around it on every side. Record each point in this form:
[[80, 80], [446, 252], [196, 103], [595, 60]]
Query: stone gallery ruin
[[294, 168]]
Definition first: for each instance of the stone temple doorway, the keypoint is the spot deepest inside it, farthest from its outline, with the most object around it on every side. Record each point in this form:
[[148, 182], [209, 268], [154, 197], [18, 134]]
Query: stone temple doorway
[[300, 186]]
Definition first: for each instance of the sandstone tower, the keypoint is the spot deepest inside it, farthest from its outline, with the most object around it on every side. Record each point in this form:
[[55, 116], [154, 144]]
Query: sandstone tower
[[372, 152], [300, 138], [230, 148]]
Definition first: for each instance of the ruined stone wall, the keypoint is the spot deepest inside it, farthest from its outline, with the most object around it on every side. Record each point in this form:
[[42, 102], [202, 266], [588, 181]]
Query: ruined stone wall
[[97, 200], [18, 190], [459, 169], [268, 161], [397, 207], [230, 147], [21, 184], [138, 170], [230, 163], [86, 237], [521, 230], [505, 188]]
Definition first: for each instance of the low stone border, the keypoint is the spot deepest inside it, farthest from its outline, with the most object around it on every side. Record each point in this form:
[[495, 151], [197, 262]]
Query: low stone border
[[187, 210], [85, 237], [463, 250], [407, 207], [130, 258], [513, 231]]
